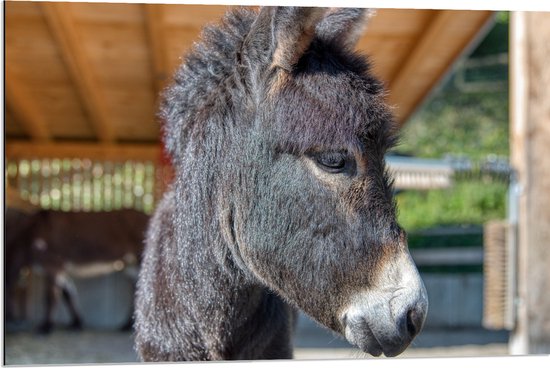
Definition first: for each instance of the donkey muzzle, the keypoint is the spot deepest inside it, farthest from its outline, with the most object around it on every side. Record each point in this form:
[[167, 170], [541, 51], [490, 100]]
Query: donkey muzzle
[[386, 318]]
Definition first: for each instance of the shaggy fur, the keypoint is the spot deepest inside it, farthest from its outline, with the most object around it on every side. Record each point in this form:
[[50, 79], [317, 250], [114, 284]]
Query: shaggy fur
[[254, 226]]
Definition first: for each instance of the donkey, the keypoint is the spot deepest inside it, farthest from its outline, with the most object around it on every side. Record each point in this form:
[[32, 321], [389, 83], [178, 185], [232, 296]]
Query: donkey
[[16, 220], [281, 200], [82, 244]]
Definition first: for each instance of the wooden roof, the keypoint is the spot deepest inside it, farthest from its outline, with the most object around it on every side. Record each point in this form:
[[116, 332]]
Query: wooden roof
[[82, 79]]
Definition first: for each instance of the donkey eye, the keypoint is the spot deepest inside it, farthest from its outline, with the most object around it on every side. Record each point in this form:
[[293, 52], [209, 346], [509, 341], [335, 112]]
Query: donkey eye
[[333, 162]]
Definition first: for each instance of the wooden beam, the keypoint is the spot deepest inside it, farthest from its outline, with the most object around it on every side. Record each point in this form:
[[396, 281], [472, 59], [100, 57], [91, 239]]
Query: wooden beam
[[154, 21], [443, 41], [530, 155], [20, 101], [65, 33], [96, 151]]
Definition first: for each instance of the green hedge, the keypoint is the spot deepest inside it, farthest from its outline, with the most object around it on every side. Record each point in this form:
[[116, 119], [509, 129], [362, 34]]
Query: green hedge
[[466, 203]]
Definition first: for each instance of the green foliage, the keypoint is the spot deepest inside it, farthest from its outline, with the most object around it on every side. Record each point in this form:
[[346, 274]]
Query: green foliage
[[471, 124], [464, 203], [461, 122]]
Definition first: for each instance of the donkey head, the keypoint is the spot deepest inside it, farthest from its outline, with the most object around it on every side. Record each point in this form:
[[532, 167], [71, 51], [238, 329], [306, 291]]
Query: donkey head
[[298, 176], [318, 225]]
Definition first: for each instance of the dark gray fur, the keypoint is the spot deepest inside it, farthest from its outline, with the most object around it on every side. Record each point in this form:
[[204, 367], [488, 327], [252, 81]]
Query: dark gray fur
[[247, 232]]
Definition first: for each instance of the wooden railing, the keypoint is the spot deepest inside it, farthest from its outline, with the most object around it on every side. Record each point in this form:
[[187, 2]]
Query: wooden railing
[[86, 185]]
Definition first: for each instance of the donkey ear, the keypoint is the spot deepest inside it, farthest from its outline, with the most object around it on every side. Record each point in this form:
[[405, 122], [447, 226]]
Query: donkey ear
[[343, 26], [281, 35], [293, 30]]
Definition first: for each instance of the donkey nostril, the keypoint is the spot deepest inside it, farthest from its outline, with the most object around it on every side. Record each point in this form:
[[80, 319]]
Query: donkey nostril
[[413, 323]]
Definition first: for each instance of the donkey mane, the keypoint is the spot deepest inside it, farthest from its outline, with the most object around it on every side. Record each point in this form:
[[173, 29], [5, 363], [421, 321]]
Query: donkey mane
[[206, 79]]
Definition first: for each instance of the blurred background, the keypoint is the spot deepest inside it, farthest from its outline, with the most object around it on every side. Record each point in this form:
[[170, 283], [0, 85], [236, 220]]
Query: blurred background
[[82, 81]]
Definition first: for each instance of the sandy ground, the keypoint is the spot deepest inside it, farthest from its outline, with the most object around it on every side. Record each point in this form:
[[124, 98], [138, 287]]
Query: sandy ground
[[67, 347]]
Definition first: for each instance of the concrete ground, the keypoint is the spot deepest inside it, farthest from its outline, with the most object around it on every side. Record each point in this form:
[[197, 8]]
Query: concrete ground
[[106, 302], [102, 346]]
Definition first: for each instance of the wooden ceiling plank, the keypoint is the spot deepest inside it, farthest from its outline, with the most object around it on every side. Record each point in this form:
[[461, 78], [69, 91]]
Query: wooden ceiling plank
[[20, 149], [21, 103], [170, 27], [436, 50], [64, 31], [154, 21]]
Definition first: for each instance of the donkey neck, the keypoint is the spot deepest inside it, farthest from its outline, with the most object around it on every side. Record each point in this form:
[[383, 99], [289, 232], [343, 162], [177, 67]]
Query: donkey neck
[[234, 314]]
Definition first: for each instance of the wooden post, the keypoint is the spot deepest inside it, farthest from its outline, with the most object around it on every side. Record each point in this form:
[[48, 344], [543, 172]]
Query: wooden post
[[530, 156]]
